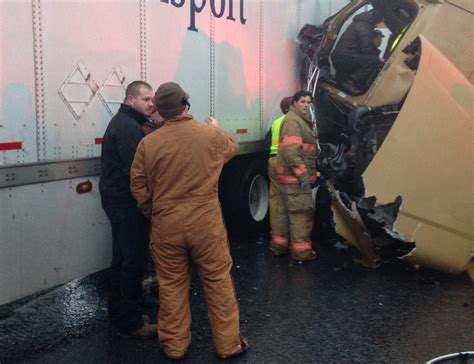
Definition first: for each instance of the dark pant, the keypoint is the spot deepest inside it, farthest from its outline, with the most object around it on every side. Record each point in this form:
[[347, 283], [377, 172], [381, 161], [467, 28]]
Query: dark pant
[[356, 67], [130, 239]]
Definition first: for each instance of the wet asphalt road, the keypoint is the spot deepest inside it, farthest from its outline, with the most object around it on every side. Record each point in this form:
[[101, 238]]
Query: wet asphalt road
[[328, 310]]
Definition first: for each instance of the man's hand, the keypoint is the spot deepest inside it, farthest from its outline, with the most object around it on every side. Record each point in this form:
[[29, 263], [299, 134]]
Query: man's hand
[[305, 185], [211, 121], [319, 180]]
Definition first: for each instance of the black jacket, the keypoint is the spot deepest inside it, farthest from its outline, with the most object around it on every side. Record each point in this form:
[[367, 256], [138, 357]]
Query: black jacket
[[358, 37], [119, 144]]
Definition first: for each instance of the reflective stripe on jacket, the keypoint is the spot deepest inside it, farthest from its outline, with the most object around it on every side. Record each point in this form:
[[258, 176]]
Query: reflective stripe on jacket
[[275, 135], [296, 159]]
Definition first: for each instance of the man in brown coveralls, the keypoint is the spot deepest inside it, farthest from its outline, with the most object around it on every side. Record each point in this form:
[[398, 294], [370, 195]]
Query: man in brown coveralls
[[296, 172], [174, 179]]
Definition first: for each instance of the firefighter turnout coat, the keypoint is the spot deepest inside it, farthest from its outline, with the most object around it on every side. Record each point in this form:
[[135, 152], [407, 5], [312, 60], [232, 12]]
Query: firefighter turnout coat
[[296, 167], [174, 179]]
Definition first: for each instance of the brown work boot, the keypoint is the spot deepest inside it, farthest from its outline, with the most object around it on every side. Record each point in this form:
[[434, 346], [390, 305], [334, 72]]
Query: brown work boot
[[304, 255], [242, 348], [147, 330]]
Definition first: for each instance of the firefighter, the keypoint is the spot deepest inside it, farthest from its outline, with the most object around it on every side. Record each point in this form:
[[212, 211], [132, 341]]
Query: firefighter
[[285, 104], [174, 178], [296, 173]]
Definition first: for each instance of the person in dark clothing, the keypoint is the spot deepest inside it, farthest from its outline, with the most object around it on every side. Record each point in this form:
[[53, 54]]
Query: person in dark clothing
[[378, 35], [154, 122], [130, 228], [355, 57], [149, 283]]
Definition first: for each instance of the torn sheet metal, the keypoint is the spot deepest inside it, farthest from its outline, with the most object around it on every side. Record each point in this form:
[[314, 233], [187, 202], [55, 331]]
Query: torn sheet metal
[[369, 227], [428, 159]]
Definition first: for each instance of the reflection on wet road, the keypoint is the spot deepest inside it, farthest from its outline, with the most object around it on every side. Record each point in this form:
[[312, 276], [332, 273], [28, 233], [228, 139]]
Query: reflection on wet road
[[328, 310]]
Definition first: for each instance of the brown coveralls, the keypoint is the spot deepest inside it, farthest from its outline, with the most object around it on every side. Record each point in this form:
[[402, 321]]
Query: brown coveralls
[[174, 179], [296, 162]]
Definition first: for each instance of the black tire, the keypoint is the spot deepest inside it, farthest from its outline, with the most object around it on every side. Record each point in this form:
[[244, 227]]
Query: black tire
[[243, 191]]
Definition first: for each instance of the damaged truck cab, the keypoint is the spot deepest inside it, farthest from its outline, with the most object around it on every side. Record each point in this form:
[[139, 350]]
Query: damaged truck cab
[[399, 157]]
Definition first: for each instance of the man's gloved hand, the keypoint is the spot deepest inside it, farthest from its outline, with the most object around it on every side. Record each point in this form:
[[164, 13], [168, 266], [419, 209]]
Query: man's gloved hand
[[319, 180], [305, 184]]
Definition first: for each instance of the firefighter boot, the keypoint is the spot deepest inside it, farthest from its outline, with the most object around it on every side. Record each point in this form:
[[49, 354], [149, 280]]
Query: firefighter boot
[[303, 256]]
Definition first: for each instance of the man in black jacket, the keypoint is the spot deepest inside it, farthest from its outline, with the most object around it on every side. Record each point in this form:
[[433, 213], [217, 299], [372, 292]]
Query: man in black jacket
[[129, 227], [355, 57]]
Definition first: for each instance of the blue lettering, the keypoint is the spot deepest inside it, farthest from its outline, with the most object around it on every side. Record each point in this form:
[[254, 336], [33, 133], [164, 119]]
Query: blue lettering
[[177, 3], [231, 11], [217, 10], [195, 9], [213, 8], [242, 19]]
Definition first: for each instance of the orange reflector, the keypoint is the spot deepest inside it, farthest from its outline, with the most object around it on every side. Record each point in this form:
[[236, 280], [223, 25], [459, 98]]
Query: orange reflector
[[241, 131], [84, 187]]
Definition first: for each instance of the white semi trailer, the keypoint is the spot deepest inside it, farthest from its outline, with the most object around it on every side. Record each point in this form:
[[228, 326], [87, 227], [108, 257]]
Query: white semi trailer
[[64, 67]]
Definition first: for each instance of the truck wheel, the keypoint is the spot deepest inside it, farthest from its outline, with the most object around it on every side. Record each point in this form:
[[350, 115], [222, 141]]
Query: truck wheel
[[258, 197], [244, 194]]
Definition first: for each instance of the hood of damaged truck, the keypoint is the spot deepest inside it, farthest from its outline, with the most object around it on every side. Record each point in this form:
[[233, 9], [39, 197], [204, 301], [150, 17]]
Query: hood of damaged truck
[[428, 160]]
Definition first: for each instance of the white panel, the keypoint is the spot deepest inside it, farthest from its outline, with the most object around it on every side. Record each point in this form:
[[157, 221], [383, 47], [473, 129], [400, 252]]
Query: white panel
[[280, 30], [315, 12], [177, 54], [50, 235], [282, 22], [101, 35], [17, 98], [237, 71]]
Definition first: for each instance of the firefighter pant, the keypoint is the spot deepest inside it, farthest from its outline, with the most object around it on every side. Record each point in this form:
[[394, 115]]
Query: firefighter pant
[[273, 198], [295, 223], [193, 232]]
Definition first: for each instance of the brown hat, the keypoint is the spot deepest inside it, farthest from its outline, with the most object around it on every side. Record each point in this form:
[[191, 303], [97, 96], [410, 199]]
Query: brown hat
[[170, 100]]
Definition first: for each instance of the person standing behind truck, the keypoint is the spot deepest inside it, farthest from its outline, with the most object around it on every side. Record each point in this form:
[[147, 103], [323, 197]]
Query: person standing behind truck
[[130, 228], [296, 173], [174, 178], [285, 104]]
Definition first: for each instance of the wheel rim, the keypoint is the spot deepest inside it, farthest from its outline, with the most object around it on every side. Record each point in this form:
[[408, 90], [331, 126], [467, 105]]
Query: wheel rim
[[258, 198]]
